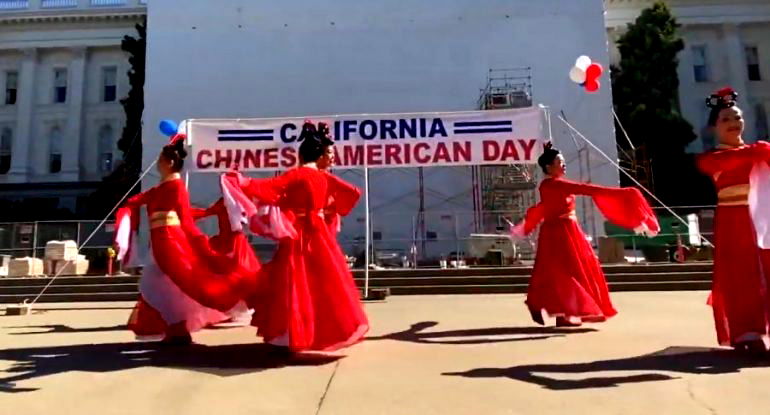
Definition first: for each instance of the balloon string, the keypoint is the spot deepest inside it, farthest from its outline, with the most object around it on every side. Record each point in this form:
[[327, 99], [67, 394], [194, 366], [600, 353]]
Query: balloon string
[[633, 179], [93, 233]]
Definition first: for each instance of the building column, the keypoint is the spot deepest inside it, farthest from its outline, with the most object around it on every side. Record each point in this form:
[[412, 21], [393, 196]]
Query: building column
[[737, 77], [691, 103], [74, 134], [22, 158]]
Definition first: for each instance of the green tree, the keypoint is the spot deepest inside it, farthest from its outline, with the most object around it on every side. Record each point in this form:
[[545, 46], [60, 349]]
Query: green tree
[[126, 172], [645, 94]]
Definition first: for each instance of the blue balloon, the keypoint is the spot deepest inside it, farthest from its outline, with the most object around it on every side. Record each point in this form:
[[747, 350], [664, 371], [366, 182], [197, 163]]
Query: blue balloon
[[168, 127]]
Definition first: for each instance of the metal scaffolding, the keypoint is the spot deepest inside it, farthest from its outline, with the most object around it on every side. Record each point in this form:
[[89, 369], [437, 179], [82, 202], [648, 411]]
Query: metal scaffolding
[[510, 188]]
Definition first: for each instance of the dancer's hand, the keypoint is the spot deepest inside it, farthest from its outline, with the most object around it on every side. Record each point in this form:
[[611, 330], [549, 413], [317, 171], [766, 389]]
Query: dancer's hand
[[516, 232], [241, 180]]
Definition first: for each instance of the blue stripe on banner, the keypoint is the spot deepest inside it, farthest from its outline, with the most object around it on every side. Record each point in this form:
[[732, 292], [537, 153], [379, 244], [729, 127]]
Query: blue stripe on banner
[[245, 138], [247, 132], [485, 131], [482, 123]]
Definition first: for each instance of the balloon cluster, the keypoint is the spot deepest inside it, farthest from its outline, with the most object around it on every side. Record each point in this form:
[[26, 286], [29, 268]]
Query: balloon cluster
[[169, 128], [587, 74]]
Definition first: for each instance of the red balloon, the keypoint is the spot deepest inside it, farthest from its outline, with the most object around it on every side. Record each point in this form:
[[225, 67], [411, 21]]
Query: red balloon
[[593, 86], [594, 71]]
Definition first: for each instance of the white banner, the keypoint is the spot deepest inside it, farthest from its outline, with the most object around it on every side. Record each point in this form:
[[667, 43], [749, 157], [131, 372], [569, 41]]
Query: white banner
[[373, 140]]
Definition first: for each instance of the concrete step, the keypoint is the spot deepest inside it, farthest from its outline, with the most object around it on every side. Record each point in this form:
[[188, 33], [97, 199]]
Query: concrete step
[[522, 288], [524, 279], [69, 280], [524, 270], [127, 285], [131, 295], [664, 277], [69, 298], [72, 289]]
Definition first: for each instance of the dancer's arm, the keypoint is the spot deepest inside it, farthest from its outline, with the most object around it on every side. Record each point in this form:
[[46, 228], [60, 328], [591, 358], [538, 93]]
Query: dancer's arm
[[577, 188], [345, 195], [213, 210], [268, 191], [127, 226], [184, 210], [713, 162], [137, 200], [532, 219]]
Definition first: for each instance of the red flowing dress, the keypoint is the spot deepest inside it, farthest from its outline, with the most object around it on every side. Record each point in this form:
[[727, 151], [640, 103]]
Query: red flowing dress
[[228, 242], [567, 280], [307, 291], [234, 244], [739, 296], [196, 283]]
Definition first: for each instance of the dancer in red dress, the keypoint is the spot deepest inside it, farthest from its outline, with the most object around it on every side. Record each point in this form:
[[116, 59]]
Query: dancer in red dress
[[567, 281], [331, 217], [227, 241], [739, 296], [234, 244], [185, 285], [309, 300]]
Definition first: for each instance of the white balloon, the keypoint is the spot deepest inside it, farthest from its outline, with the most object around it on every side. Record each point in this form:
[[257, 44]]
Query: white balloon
[[577, 75], [583, 62]]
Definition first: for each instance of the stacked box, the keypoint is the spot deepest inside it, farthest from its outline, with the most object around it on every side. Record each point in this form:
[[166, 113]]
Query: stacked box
[[611, 251], [61, 250], [5, 261], [77, 267], [62, 267], [25, 267]]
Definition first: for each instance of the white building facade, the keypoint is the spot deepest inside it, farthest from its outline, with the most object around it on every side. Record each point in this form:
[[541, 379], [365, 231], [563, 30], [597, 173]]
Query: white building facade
[[63, 74], [727, 43]]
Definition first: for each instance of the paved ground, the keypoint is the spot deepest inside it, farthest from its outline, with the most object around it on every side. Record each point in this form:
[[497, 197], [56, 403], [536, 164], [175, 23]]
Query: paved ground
[[425, 355]]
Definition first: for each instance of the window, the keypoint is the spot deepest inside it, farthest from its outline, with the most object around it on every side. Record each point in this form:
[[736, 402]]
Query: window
[[699, 63], [760, 126], [11, 87], [59, 86], [752, 63], [105, 149], [109, 83], [6, 145], [708, 138], [54, 151]]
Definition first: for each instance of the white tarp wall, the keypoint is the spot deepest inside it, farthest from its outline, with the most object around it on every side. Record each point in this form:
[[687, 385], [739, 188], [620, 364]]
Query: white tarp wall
[[248, 59]]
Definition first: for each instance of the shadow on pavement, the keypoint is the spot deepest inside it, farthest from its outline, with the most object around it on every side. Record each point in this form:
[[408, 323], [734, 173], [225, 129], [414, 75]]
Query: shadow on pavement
[[417, 334], [661, 365], [60, 328], [223, 360]]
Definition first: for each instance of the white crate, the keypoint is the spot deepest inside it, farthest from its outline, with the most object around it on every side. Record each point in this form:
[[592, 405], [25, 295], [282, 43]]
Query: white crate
[[25, 267], [61, 250]]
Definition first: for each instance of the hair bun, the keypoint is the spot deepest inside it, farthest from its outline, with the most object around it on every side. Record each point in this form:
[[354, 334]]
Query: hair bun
[[549, 155], [323, 131], [724, 98], [180, 149], [309, 131]]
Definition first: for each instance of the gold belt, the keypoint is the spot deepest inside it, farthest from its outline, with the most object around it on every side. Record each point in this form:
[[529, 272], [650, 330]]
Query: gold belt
[[304, 213], [737, 195], [169, 218], [571, 215]]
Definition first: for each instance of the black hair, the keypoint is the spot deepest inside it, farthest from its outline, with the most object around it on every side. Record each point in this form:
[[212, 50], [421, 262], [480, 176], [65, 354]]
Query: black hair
[[175, 154], [548, 157], [314, 141], [722, 99]]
